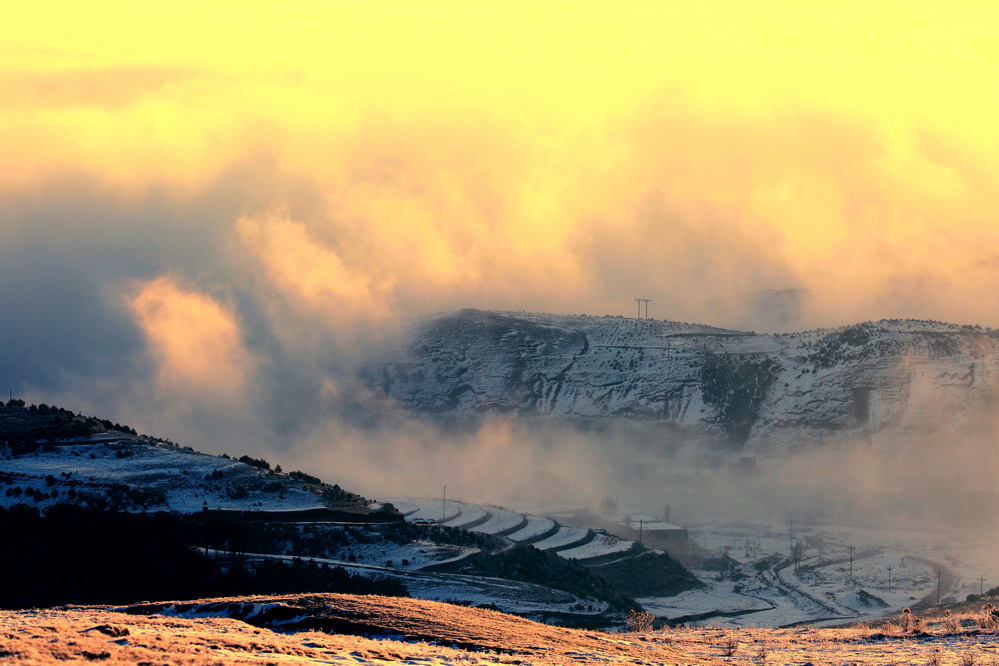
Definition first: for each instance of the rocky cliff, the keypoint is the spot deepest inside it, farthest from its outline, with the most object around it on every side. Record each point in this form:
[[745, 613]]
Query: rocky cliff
[[737, 391]]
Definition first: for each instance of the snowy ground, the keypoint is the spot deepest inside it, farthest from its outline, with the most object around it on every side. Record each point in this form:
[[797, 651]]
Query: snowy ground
[[828, 589], [602, 544], [178, 474], [536, 526], [760, 587]]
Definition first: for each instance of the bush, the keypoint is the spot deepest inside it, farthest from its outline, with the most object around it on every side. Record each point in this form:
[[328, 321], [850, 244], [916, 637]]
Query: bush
[[259, 463], [950, 623], [307, 478], [908, 622], [640, 620], [989, 618]]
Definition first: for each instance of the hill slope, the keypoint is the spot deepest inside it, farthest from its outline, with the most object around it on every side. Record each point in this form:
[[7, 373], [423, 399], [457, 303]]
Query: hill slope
[[327, 629]]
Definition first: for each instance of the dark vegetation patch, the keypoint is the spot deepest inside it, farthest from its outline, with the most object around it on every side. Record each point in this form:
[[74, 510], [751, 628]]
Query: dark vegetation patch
[[736, 387], [530, 565], [649, 575], [27, 429], [404, 532], [86, 556]]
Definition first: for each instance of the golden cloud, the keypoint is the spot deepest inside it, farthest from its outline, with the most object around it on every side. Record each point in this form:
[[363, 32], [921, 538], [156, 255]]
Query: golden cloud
[[299, 266], [195, 340]]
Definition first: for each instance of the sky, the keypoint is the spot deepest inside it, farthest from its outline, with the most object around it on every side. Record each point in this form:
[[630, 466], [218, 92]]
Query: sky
[[207, 213]]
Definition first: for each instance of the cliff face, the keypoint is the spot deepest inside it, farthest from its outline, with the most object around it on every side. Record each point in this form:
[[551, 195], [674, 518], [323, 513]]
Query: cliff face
[[739, 391]]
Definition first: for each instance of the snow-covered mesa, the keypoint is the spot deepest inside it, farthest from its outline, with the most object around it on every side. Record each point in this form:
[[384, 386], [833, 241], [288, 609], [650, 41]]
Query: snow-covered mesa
[[751, 393]]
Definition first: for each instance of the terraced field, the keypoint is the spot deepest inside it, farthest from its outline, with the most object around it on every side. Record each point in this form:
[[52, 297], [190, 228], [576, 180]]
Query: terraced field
[[576, 543]]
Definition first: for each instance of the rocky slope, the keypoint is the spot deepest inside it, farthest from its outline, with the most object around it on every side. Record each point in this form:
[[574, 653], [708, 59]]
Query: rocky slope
[[733, 390]]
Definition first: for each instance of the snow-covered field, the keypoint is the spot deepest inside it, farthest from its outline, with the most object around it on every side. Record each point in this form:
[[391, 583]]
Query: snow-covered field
[[564, 537], [602, 544], [468, 514], [827, 588], [536, 526], [501, 521]]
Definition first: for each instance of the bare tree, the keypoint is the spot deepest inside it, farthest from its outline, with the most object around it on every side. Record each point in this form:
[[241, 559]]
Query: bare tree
[[797, 552]]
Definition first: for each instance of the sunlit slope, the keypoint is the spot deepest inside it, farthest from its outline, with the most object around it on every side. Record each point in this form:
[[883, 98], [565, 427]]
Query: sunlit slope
[[334, 629], [738, 391]]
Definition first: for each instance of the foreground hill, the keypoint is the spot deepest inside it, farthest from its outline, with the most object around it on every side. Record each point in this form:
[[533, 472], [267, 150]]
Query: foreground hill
[[743, 392], [333, 629]]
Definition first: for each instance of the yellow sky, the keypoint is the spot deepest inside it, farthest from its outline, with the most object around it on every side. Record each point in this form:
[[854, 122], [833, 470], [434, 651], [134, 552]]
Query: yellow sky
[[491, 145], [182, 72]]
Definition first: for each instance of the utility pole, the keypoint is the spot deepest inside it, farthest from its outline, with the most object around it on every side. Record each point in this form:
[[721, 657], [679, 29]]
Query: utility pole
[[641, 522], [889, 579], [790, 541], [640, 301], [851, 560], [444, 505], [981, 585], [938, 586]]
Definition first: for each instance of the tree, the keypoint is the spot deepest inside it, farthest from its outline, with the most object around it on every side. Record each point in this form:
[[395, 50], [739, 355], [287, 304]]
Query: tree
[[609, 506], [797, 551]]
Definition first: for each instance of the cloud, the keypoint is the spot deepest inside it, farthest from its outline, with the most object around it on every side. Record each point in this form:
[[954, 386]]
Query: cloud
[[302, 269], [196, 342], [109, 88]]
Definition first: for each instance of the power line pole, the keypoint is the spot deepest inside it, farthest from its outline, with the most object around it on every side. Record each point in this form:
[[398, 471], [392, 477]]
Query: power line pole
[[981, 585], [640, 301], [889, 579], [938, 586], [851, 560], [641, 522], [444, 505]]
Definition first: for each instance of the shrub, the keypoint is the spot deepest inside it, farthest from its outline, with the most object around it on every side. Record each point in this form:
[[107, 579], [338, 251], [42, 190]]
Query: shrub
[[307, 478], [259, 463], [989, 618], [908, 622], [640, 620], [950, 622]]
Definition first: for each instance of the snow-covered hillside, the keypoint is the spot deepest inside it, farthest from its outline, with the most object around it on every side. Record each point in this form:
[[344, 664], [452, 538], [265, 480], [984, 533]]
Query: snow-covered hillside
[[744, 392], [150, 476], [51, 456]]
